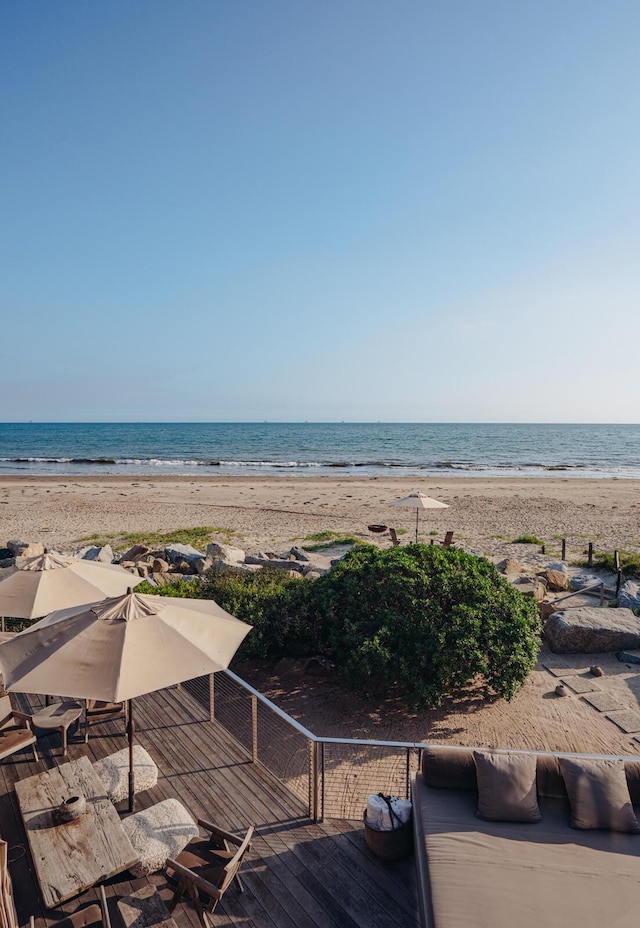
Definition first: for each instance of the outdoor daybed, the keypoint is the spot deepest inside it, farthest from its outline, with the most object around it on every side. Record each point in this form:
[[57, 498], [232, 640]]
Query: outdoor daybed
[[474, 873]]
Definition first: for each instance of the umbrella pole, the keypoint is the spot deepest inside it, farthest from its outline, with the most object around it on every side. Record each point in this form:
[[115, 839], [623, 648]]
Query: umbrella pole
[[131, 728]]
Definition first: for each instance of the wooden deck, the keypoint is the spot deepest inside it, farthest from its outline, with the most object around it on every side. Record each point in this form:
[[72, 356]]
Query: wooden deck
[[298, 875]]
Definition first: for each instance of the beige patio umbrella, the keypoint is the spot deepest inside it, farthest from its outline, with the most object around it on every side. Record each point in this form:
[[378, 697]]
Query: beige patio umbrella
[[39, 585], [121, 648], [419, 501]]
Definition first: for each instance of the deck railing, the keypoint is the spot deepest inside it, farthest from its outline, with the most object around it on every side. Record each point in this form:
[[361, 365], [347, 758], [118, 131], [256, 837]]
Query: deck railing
[[332, 776]]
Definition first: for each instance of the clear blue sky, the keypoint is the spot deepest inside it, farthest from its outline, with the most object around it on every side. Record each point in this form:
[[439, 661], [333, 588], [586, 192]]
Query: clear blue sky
[[338, 209]]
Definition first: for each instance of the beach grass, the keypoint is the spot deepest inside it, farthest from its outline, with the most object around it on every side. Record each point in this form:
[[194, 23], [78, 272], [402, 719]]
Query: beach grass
[[603, 560], [198, 537], [527, 540], [318, 541]]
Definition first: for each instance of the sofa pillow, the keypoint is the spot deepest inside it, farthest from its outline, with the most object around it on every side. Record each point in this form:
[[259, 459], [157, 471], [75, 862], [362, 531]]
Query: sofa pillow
[[599, 794], [445, 767], [506, 787]]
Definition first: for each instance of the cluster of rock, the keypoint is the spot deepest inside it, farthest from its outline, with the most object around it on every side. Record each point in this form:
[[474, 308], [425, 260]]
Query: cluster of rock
[[163, 565], [13, 549]]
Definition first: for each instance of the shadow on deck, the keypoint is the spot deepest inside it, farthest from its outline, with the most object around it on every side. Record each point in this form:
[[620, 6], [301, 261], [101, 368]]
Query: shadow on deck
[[298, 874]]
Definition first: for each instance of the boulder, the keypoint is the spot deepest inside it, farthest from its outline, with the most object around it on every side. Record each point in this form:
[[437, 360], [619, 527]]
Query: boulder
[[25, 548], [160, 579], [581, 580], [558, 565], [103, 555], [629, 595], [135, 553], [5, 553], [177, 554], [589, 630], [227, 554], [556, 580], [313, 574], [510, 566], [7, 562], [299, 554], [531, 588], [159, 565], [275, 563]]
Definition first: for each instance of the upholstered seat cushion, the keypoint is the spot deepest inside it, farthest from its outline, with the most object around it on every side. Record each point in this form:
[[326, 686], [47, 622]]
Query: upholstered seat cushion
[[208, 862], [159, 832], [114, 772]]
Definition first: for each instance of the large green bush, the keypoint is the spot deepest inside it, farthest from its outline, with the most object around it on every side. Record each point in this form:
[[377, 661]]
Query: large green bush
[[421, 621], [415, 621]]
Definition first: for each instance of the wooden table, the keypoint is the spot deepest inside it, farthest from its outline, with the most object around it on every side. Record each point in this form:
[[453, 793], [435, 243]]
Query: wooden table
[[59, 716], [69, 858]]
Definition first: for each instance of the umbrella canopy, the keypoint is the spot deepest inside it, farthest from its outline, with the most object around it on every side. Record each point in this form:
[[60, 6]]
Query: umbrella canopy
[[419, 501], [121, 648], [39, 585]]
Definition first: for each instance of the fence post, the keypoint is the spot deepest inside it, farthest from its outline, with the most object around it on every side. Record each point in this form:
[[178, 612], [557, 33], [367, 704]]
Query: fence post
[[321, 816], [407, 785], [564, 549], [212, 698], [590, 555], [618, 580], [602, 592], [616, 561], [254, 729], [313, 780]]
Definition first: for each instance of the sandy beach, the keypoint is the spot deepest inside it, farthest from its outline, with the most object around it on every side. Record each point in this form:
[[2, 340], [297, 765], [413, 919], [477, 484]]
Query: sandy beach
[[486, 515]]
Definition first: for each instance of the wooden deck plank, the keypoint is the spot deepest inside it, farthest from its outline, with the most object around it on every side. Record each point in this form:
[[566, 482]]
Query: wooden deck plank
[[298, 875]]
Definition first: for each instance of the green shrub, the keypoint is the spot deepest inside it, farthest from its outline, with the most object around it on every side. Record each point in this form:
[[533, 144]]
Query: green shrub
[[421, 621], [527, 540]]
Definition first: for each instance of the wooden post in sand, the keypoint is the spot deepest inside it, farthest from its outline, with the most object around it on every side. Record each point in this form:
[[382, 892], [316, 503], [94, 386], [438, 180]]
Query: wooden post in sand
[[590, 555], [618, 581], [564, 549], [616, 561]]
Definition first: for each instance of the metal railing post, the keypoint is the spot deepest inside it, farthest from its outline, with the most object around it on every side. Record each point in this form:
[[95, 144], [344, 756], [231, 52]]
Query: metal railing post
[[254, 729], [212, 698], [407, 787], [313, 780], [322, 781]]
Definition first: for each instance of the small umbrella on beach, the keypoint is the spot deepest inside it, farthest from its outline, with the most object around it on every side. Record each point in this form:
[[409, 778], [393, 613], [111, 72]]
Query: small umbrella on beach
[[39, 585], [419, 501], [121, 648]]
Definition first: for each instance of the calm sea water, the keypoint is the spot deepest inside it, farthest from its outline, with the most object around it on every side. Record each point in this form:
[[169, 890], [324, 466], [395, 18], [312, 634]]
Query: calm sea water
[[315, 448]]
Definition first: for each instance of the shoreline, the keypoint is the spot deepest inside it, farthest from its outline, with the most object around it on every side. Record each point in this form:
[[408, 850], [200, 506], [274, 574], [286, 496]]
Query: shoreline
[[485, 513]]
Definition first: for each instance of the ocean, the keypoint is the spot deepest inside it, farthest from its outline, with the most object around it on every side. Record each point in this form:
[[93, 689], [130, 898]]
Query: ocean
[[359, 449]]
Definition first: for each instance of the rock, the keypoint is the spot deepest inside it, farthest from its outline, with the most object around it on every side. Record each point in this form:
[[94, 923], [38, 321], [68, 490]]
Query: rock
[[224, 568], [629, 657], [589, 630], [313, 574], [225, 553], [510, 566], [25, 548], [5, 553], [560, 566], [204, 565], [580, 581], [135, 553], [546, 609], [143, 570], [561, 690], [104, 555], [7, 562], [159, 566], [160, 579], [556, 580], [299, 554], [531, 588], [596, 671], [275, 563], [177, 554], [629, 595]]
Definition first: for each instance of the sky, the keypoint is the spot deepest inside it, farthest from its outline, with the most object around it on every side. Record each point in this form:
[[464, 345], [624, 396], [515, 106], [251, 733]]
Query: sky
[[239, 210]]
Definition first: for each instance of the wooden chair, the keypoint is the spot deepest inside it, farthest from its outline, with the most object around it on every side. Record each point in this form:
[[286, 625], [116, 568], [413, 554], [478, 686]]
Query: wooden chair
[[394, 537], [448, 540], [15, 730], [207, 867], [8, 916], [92, 915], [96, 710]]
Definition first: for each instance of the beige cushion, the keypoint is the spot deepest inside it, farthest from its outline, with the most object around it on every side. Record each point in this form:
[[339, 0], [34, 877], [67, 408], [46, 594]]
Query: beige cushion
[[113, 770], [504, 875], [506, 787], [159, 832], [599, 794]]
